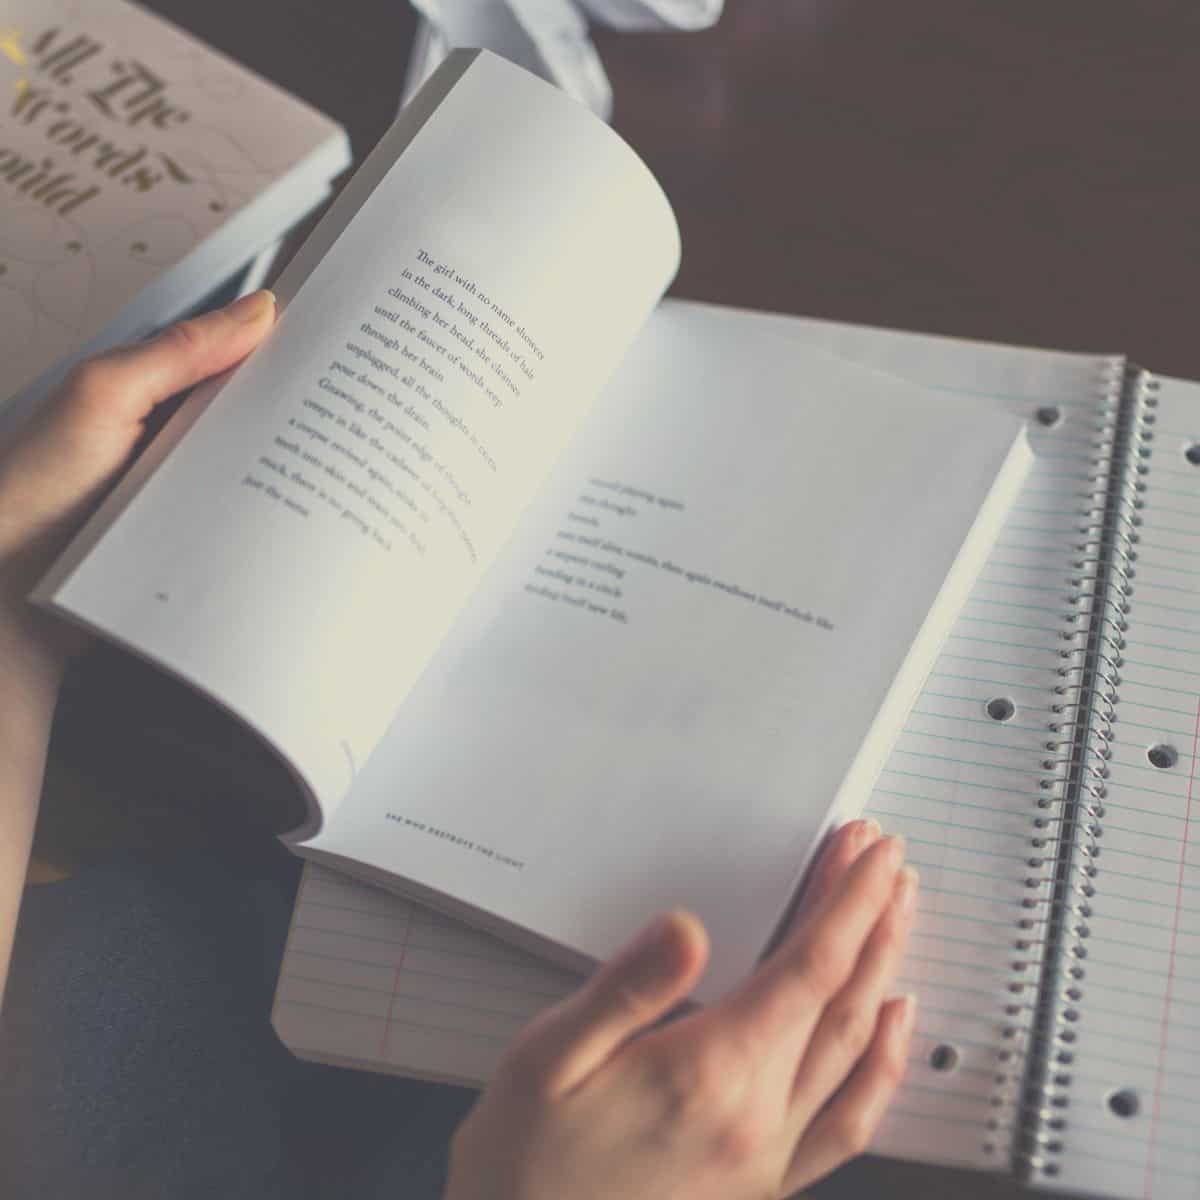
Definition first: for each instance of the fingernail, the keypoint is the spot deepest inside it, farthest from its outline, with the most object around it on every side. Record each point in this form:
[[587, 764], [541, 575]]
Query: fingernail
[[873, 829], [854, 835], [252, 307], [905, 893], [908, 1012], [895, 843]]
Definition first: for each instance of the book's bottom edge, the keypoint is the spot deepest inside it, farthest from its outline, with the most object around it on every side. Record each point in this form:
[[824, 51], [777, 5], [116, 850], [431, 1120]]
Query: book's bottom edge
[[376, 1067]]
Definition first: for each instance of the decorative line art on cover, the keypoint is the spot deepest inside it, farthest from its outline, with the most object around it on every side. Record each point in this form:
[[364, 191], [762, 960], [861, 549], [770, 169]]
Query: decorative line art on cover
[[127, 144]]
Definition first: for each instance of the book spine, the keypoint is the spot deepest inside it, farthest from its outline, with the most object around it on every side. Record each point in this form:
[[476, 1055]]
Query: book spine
[[1068, 817]]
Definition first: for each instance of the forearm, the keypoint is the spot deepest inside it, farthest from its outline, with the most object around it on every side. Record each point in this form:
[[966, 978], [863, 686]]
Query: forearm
[[52, 473], [29, 683]]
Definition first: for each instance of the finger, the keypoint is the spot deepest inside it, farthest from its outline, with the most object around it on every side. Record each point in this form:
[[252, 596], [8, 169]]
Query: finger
[[61, 462], [848, 1023], [779, 1006], [122, 387], [835, 859], [848, 1123], [626, 995]]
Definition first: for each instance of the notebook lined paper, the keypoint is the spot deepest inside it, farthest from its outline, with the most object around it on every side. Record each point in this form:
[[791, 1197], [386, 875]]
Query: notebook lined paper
[[370, 980]]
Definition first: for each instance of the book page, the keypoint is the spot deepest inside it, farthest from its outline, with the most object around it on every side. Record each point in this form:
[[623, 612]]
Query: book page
[[1126, 1080], [313, 527], [674, 666]]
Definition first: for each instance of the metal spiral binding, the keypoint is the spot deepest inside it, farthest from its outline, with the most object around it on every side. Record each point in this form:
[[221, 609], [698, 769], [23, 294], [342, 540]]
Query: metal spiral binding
[[1069, 808]]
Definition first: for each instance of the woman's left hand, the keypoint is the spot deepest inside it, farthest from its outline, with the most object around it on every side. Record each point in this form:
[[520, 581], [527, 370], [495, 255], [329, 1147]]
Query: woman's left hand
[[53, 473], [55, 470]]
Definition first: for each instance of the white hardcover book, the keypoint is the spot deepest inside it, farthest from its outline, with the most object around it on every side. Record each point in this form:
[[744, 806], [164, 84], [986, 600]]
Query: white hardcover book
[[139, 169]]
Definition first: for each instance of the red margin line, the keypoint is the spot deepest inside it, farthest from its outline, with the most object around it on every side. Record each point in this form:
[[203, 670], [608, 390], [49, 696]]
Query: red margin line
[[387, 1021], [1166, 1013]]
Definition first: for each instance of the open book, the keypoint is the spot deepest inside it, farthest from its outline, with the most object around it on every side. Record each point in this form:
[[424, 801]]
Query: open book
[[552, 666], [1045, 782]]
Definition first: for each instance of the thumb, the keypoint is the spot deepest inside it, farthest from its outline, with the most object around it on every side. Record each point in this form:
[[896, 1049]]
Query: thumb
[[122, 387], [54, 469], [626, 995], [58, 466]]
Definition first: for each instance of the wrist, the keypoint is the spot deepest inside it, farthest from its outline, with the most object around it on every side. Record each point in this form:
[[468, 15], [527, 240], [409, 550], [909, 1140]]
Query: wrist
[[33, 657]]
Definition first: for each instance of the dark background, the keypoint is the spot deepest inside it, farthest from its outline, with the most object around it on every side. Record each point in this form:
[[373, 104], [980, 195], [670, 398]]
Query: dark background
[[1023, 171]]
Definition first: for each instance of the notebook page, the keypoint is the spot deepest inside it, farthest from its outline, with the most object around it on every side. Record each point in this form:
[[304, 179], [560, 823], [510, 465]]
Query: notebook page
[[960, 785], [1132, 1091], [371, 980]]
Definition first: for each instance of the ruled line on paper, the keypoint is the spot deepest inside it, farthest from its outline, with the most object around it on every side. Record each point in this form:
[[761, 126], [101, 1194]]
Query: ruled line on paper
[[453, 991]]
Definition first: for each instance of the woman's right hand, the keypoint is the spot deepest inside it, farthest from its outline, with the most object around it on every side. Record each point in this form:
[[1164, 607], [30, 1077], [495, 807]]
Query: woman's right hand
[[749, 1099]]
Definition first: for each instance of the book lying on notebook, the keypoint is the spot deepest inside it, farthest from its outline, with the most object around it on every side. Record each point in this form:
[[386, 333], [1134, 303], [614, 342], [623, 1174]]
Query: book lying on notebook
[[140, 168], [1044, 783], [553, 686]]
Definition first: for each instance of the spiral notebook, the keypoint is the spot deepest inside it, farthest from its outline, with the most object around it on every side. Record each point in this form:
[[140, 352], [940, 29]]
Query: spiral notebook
[[1044, 783]]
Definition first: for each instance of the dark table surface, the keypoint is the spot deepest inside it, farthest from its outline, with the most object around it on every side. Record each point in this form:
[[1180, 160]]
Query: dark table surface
[[1022, 172]]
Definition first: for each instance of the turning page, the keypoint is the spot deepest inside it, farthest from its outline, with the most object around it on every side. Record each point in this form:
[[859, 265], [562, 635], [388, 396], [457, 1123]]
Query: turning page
[[301, 537], [696, 651]]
